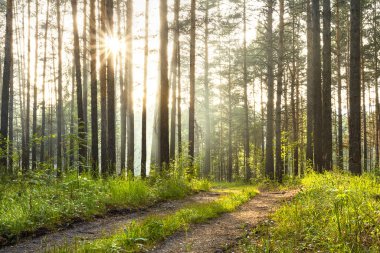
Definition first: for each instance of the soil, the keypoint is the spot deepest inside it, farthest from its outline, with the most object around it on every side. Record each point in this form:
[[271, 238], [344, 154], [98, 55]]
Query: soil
[[221, 234], [102, 226]]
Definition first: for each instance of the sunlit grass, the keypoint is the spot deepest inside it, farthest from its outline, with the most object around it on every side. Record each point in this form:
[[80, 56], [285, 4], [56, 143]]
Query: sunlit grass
[[31, 204], [334, 213]]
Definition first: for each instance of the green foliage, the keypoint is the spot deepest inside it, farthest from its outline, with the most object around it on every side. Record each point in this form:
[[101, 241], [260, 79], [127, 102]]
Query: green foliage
[[334, 213], [39, 201], [142, 235]]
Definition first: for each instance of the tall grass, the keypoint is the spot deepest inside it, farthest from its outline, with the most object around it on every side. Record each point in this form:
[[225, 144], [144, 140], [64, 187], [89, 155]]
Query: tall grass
[[38, 203], [334, 212]]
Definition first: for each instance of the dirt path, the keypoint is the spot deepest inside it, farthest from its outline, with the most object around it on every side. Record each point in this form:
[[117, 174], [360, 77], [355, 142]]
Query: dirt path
[[103, 226], [225, 231]]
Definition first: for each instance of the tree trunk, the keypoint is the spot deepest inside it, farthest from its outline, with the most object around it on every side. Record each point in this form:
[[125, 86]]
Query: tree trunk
[[60, 96], [163, 146], [43, 123], [339, 77], [310, 112], [85, 75], [103, 92], [207, 162], [246, 109], [377, 118], [129, 91], [7, 83], [326, 114], [279, 162], [94, 93], [34, 126], [78, 76], [269, 163], [146, 58], [354, 94], [317, 88], [229, 88], [192, 85]]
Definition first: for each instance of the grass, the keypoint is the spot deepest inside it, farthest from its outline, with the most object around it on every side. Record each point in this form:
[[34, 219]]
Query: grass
[[142, 235], [335, 212], [29, 205]]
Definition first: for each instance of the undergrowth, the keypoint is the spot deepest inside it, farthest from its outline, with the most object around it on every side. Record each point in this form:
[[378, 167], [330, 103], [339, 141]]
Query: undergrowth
[[39, 202], [142, 235], [335, 212]]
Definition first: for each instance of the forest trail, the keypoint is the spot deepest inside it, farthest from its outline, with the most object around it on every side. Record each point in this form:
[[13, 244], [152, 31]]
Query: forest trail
[[221, 234], [102, 227]]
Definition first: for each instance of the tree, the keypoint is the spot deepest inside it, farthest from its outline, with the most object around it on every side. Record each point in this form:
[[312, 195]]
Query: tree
[[34, 125], [269, 160], [129, 90], [103, 91], [43, 123], [339, 77], [111, 129], [354, 93], [207, 162], [60, 96], [192, 84], [163, 138], [7, 83], [78, 77], [246, 115], [94, 93], [143, 126], [317, 87], [326, 114], [310, 112], [279, 161]]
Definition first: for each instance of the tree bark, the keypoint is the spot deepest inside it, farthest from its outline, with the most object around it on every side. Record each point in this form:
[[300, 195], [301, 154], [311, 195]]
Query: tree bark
[[354, 93], [129, 91], [269, 161], [163, 146], [247, 167], [317, 88], [94, 93], [78, 77], [7, 83], [192, 85], [327, 114], [146, 58], [279, 161]]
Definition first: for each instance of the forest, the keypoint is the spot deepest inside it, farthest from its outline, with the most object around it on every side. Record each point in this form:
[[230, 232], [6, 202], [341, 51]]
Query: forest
[[189, 126]]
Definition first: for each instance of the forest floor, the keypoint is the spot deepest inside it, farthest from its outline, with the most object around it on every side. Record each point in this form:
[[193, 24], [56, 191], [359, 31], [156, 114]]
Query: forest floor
[[103, 227], [216, 235], [223, 233]]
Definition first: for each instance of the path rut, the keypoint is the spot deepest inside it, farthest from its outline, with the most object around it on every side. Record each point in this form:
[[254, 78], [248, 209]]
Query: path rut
[[103, 226], [223, 232]]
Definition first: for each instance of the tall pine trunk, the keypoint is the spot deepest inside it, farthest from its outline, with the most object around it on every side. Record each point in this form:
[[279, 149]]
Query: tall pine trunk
[[129, 91], [317, 88], [78, 78], [7, 83], [163, 129], [327, 114], [354, 93], [269, 160], [192, 85], [143, 126], [247, 166], [279, 161]]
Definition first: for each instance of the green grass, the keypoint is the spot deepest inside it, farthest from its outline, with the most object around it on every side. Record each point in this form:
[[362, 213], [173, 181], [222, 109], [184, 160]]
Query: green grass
[[38, 203], [334, 212], [144, 234]]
